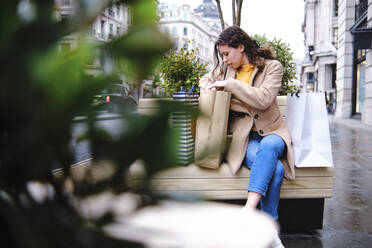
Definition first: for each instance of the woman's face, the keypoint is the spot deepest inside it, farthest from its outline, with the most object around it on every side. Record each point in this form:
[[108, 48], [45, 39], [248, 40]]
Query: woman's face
[[233, 57]]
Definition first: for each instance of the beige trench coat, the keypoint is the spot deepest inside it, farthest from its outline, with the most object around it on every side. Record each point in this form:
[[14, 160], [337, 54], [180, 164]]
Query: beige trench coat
[[259, 103]]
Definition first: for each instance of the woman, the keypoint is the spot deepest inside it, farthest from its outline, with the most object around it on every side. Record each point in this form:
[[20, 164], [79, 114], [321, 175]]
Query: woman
[[260, 136]]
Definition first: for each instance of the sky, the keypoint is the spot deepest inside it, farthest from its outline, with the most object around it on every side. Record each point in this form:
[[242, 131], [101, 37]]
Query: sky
[[281, 19]]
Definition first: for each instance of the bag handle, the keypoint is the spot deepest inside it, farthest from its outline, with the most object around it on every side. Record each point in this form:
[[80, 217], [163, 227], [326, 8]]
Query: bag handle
[[224, 75]]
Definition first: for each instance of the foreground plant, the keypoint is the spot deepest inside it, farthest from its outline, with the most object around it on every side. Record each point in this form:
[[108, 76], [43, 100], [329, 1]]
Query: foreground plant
[[42, 90]]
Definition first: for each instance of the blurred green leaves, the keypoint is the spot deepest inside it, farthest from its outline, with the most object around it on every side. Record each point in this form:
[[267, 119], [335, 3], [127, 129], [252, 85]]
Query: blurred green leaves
[[141, 48], [42, 90], [143, 13]]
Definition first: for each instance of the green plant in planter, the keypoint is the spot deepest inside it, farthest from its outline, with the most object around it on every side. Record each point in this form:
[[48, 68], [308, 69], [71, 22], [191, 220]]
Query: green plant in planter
[[181, 68], [285, 56]]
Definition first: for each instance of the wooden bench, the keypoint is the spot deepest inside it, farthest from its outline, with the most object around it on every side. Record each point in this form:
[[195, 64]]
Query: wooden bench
[[302, 200]]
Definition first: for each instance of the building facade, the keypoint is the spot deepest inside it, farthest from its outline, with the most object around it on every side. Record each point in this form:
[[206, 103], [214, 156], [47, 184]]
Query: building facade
[[112, 22], [199, 27], [338, 58], [320, 29]]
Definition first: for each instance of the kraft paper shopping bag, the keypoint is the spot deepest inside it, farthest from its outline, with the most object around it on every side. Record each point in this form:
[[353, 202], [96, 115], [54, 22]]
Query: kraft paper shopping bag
[[211, 128]]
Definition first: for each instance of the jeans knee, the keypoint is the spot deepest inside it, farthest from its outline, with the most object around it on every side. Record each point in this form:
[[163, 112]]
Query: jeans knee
[[273, 143]]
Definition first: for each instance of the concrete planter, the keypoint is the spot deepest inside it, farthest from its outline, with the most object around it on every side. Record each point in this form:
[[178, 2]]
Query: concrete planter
[[282, 104], [180, 120], [148, 106]]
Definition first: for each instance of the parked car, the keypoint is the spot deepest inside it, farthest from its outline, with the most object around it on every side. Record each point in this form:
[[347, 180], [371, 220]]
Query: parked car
[[114, 98]]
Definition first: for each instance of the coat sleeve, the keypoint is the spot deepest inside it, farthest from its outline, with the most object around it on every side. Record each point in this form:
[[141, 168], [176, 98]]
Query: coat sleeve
[[208, 80], [204, 82], [263, 96]]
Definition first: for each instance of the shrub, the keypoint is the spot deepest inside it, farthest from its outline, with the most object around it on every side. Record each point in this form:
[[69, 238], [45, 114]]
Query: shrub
[[181, 68], [285, 56]]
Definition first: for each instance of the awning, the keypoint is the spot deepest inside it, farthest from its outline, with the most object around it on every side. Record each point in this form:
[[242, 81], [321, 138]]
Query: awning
[[362, 38]]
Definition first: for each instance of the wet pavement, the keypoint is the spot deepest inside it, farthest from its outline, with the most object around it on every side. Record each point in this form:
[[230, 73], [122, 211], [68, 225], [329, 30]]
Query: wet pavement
[[348, 214]]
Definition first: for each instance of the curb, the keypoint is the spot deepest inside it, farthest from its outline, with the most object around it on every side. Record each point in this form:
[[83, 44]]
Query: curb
[[83, 162], [97, 118]]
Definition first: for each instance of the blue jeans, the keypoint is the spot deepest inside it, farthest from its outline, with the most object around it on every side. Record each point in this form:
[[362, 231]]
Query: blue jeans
[[267, 171]]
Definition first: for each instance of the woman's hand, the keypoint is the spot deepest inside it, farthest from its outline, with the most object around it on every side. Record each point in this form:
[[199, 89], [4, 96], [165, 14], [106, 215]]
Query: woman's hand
[[218, 85]]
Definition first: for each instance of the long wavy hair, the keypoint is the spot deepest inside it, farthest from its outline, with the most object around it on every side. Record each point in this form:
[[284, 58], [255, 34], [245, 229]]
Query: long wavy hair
[[235, 36]]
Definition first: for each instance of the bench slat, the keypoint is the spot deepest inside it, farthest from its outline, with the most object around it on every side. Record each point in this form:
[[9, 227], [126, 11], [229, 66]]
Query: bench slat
[[194, 171], [242, 194], [222, 184], [234, 184]]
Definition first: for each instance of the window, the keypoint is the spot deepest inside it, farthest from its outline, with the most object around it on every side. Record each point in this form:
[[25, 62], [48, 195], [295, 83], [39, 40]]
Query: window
[[185, 31], [361, 9], [335, 38], [360, 86], [361, 54], [111, 9], [310, 77], [174, 31], [335, 8], [311, 52], [111, 34], [166, 30], [103, 24], [118, 11], [66, 2], [117, 31]]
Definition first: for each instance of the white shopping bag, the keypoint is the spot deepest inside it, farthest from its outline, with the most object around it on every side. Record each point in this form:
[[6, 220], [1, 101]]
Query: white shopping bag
[[307, 120]]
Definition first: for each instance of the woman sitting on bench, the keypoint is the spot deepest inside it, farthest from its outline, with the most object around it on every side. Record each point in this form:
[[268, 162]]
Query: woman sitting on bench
[[259, 133]]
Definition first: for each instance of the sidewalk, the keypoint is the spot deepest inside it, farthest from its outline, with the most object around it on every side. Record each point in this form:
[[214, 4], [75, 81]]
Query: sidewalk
[[348, 213], [351, 123], [100, 116]]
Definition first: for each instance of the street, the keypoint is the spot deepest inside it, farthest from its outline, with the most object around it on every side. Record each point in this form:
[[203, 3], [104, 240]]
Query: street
[[108, 121], [348, 214]]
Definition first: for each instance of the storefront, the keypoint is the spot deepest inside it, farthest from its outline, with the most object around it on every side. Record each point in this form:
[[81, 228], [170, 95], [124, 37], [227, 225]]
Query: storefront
[[359, 82], [362, 35]]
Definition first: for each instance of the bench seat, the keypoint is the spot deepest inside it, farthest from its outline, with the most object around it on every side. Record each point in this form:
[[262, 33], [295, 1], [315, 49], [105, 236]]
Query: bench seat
[[221, 184]]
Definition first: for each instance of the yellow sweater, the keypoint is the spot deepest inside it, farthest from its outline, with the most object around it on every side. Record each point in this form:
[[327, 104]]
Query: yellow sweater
[[245, 74]]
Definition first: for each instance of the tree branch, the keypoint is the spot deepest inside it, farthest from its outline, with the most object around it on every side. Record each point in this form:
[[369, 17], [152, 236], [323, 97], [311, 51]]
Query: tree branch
[[238, 13], [220, 14], [233, 12]]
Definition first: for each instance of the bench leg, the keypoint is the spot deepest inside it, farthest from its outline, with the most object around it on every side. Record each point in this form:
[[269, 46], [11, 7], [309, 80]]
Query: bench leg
[[295, 214], [301, 214]]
